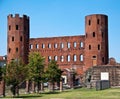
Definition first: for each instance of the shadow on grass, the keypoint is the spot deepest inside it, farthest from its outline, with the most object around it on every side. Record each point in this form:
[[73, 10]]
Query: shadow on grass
[[29, 96], [51, 92]]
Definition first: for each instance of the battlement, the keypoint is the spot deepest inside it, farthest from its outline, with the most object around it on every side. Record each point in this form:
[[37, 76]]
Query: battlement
[[18, 16], [97, 15]]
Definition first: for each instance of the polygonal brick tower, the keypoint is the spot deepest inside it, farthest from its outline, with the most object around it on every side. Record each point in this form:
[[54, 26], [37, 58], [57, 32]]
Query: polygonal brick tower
[[18, 38], [96, 40]]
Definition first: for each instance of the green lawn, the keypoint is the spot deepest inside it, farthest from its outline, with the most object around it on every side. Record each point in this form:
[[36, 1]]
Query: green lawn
[[81, 93]]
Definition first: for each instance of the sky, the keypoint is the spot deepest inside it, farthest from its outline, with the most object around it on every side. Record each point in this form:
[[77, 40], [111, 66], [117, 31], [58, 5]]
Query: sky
[[51, 18]]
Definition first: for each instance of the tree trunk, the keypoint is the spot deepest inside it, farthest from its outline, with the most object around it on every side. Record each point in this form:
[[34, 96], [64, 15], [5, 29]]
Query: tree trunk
[[33, 86], [51, 86], [27, 86], [42, 86], [39, 86], [61, 86], [17, 90]]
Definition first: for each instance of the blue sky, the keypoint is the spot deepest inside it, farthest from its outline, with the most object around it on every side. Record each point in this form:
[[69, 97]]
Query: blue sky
[[50, 18]]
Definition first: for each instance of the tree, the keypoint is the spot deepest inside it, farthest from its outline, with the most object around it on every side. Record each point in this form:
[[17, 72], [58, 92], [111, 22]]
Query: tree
[[53, 73], [36, 68], [16, 74]]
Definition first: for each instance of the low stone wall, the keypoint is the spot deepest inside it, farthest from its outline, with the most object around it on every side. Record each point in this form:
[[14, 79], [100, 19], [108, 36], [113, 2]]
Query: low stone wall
[[113, 71]]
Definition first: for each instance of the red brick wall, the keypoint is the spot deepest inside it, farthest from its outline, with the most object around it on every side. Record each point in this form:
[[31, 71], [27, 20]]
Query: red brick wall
[[59, 52]]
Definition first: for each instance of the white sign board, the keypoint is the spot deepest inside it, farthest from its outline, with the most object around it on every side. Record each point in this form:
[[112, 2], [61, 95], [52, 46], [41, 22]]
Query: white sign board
[[104, 76], [65, 79]]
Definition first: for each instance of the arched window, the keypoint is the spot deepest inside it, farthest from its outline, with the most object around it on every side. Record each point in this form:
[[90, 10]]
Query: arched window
[[81, 44], [31, 46], [93, 34], [81, 57], [68, 45], [89, 47], [62, 58], [89, 22], [98, 47], [75, 44], [37, 46], [49, 58], [12, 38], [49, 45], [74, 58], [68, 58], [55, 58], [62, 45], [55, 45], [43, 45]]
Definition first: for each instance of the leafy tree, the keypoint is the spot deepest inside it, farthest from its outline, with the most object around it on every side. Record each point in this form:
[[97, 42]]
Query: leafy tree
[[16, 74], [36, 68], [53, 73]]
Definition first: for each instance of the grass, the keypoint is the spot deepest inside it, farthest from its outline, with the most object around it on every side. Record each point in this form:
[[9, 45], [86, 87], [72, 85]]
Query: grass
[[81, 93]]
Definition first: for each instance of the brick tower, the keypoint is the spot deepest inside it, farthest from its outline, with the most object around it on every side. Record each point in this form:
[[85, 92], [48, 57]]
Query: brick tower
[[96, 40], [18, 38]]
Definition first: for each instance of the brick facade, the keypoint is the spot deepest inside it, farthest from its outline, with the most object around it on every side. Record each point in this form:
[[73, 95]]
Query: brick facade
[[78, 52], [67, 51]]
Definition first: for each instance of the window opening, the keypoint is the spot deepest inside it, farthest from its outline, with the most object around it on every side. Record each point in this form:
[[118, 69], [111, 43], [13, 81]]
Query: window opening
[[89, 22], [81, 57], [94, 56], [16, 49], [43, 45], [49, 58], [81, 44], [75, 44], [9, 27], [89, 47], [16, 27], [103, 59], [68, 44], [62, 58], [74, 58], [55, 45], [98, 47], [93, 34], [98, 21], [21, 38], [49, 45], [55, 58], [62, 45], [68, 58], [9, 50], [37, 46], [12, 38], [31, 46]]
